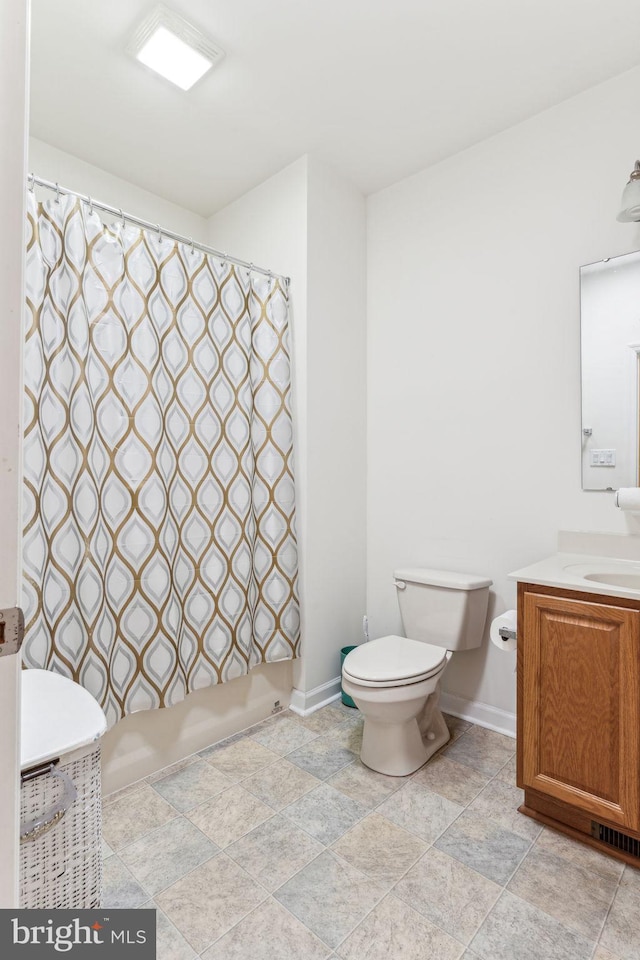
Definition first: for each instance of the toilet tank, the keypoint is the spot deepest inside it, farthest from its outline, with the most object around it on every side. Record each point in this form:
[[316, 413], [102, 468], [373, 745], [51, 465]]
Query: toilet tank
[[443, 608]]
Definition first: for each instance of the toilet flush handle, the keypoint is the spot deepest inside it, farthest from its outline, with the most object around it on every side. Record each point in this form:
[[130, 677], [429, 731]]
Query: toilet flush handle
[[400, 584]]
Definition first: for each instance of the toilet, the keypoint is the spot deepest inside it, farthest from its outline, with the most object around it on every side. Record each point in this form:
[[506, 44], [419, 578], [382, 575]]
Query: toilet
[[395, 681]]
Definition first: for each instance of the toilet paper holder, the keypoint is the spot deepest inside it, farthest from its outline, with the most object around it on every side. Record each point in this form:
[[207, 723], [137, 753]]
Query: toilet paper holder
[[506, 634]]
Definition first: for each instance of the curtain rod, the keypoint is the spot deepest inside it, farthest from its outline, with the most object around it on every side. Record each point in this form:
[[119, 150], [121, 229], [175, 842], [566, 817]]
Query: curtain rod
[[32, 179]]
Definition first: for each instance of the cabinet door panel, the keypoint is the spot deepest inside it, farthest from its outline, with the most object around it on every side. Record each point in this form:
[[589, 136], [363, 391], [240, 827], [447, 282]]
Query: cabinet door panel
[[581, 705]]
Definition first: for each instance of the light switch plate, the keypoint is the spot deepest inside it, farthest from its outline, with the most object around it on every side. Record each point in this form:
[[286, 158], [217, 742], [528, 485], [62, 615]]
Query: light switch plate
[[602, 458]]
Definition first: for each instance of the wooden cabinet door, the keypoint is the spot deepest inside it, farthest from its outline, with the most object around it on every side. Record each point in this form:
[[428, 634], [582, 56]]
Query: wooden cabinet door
[[581, 705]]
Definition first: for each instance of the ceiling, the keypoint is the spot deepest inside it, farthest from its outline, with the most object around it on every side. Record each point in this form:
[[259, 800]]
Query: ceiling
[[377, 88]]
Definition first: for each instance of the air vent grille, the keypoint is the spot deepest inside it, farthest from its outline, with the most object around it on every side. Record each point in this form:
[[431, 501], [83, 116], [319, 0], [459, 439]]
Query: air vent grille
[[614, 838]]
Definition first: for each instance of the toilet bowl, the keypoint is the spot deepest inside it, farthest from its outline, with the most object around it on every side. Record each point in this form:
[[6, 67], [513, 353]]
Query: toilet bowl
[[398, 736], [395, 680]]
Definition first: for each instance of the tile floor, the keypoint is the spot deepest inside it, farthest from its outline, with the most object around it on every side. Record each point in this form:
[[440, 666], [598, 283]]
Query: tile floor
[[278, 844]]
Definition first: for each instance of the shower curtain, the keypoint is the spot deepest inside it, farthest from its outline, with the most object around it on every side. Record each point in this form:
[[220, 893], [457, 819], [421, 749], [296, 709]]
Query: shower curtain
[[159, 518]]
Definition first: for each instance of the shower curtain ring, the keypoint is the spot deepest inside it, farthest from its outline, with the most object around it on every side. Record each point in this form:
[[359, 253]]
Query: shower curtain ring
[[192, 247], [32, 185], [122, 218], [159, 233], [57, 192], [90, 207]]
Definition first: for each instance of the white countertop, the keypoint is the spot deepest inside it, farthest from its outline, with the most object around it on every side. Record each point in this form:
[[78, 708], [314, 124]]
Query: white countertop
[[567, 570]]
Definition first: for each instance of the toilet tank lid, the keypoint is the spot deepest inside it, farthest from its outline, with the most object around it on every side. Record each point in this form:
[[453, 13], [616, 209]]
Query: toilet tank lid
[[442, 578]]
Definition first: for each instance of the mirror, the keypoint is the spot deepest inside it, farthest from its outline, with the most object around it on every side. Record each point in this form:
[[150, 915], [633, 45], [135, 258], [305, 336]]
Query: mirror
[[610, 358]]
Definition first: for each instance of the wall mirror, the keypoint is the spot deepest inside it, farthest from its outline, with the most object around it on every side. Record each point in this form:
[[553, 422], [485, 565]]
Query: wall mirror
[[610, 361]]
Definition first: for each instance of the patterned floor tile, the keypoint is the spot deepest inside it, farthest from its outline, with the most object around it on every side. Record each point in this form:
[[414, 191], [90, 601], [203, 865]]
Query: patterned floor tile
[[283, 737], [134, 814], [364, 785], [394, 930], [221, 745], [269, 933], [190, 786], [515, 930], [170, 944], [508, 772], [325, 813], [451, 780], [210, 900], [348, 734], [345, 708], [420, 811], [240, 759], [482, 750], [631, 877], [576, 897], [456, 726], [163, 856], [269, 721], [499, 801], [110, 798], [280, 784], [602, 954], [621, 933], [119, 888], [379, 849], [329, 897], [380, 891], [274, 851], [321, 757], [579, 853], [322, 720], [484, 846], [448, 893], [172, 768], [230, 815]]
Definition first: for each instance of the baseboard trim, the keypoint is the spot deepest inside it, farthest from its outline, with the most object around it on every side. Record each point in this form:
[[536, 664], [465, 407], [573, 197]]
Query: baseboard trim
[[493, 718], [305, 702]]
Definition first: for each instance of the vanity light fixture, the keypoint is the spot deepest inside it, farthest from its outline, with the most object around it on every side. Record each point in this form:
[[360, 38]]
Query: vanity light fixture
[[630, 203], [174, 48]]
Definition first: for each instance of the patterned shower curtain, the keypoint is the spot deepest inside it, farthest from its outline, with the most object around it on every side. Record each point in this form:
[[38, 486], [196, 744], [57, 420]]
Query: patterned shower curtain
[[159, 541]]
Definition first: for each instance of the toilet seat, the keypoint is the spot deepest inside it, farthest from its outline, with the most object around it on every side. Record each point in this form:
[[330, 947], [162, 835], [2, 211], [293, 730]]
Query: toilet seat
[[393, 662]]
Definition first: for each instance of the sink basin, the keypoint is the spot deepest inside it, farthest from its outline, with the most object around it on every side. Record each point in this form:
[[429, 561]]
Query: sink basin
[[629, 580], [607, 576], [614, 573]]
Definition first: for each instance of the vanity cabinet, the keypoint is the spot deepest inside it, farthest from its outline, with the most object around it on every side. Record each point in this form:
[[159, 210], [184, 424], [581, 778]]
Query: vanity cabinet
[[579, 712]]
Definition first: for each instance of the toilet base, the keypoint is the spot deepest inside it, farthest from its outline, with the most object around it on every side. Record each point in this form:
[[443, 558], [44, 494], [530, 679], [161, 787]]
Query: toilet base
[[399, 749], [403, 725]]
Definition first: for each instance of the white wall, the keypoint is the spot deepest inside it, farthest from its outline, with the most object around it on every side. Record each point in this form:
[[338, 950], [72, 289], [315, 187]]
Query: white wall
[[336, 397], [308, 223], [69, 171], [473, 351]]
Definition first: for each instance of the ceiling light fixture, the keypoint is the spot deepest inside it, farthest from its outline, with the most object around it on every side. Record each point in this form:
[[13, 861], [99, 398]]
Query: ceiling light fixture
[[174, 48], [630, 203]]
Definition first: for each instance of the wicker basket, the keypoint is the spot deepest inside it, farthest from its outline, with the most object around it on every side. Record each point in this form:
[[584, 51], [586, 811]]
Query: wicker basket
[[61, 852]]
